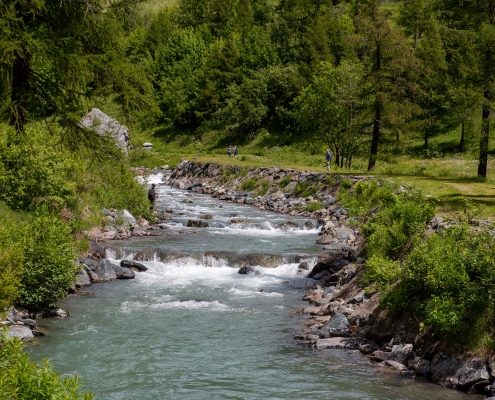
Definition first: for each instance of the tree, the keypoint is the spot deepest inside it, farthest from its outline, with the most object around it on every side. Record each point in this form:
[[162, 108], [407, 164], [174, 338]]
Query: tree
[[328, 109], [57, 54], [390, 79]]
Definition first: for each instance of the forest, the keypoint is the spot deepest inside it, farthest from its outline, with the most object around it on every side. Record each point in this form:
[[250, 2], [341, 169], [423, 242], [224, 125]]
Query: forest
[[345, 74]]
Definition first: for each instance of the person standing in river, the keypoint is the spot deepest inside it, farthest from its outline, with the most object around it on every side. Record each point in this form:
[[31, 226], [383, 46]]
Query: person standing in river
[[328, 158], [152, 196]]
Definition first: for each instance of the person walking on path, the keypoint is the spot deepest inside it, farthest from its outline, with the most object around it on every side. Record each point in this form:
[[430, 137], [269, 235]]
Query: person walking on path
[[235, 151], [152, 196], [229, 151], [328, 159]]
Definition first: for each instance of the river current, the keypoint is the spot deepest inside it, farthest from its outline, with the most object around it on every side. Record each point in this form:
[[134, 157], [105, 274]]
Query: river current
[[186, 330]]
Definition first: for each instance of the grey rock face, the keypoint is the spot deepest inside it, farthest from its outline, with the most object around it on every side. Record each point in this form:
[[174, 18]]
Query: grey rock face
[[82, 279], [419, 365], [104, 271], [261, 259], [104, 125], [21, 332], [337, 326], [123, 273]]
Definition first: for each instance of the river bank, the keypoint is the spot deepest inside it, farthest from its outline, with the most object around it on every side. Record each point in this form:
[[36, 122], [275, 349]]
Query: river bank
[[341, 315]]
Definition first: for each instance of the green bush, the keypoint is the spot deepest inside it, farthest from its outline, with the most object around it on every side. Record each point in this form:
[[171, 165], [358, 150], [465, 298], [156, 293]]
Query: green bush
[[447, 280], [305, 189], [313, 206], [49, 253], [249, 185], [285, 181], [31, 171], [11, 257], [21, 379]]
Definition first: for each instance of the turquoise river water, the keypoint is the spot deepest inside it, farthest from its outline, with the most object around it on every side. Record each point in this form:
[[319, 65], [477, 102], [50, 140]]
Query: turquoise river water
[[196, 329]]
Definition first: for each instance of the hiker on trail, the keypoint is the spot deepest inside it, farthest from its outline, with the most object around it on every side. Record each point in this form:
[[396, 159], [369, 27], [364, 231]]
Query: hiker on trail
[[229, 151], [235, 151], [328, 159], [152, 196]]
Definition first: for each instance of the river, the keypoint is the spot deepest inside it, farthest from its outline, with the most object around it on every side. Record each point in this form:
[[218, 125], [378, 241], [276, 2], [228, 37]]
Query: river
[[183, 330]]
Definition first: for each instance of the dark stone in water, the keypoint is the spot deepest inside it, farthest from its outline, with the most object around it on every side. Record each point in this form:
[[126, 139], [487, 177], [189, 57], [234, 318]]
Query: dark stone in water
[[197, 224], [247, 270], [129, 263], [123, 273]]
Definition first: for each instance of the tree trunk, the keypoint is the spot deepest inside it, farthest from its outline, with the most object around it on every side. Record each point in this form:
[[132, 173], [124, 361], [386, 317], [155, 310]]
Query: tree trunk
[[374, 139], [485, 136], [485, 121], [20, 73], [462, 143]]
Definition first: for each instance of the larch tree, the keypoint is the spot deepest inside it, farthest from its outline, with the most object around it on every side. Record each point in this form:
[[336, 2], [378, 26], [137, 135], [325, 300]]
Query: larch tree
[[391, 76], [57, 54]]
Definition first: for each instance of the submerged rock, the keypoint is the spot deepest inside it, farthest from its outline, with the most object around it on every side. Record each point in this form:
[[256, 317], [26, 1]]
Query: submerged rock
[[262, 259]]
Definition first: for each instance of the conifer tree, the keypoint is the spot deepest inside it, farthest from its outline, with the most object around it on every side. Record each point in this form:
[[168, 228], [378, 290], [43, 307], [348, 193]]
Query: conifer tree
[[390, 80], [55, 54]]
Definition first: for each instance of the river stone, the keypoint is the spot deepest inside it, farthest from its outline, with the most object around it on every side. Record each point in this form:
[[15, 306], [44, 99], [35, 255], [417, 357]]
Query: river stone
[[82, 278], [336, 326], [146, 255], [104, 271], [339, 343], [123, 273], [21, 332], [380, 355], [472, 370], [402, 353], [262, 259], [216, 258], [197, 224], [443, 368], [129, 263], [128, 217], [419, 365], [248, 270], [288, 225], [397, 365]]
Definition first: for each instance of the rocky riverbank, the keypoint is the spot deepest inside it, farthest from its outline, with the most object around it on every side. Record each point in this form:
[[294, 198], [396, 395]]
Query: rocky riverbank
[[341, 313]]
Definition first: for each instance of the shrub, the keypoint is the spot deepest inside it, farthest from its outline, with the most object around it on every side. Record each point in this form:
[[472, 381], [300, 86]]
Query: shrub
[[11, 257], [49, 254], [249, 185], [305, 189], [314, 206], [24, 380], [285, 181], [264, 187]]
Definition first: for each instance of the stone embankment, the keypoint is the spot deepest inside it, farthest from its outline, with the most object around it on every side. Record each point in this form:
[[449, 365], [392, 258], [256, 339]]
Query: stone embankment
[[342, 314]]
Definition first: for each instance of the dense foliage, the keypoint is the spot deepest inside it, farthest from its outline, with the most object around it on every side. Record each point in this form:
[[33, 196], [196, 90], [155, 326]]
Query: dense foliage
[[21, 379], [445, 278], [348, 75]]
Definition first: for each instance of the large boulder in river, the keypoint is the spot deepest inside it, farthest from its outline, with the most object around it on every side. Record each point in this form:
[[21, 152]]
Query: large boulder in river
[[97, 121], [123, 273], [133, 264], [21, 332], [336, 326], [103, 272], [262, 259]]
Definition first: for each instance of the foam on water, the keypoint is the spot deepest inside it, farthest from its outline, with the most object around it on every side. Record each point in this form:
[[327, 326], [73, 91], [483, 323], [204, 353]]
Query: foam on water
[[153, 178]]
